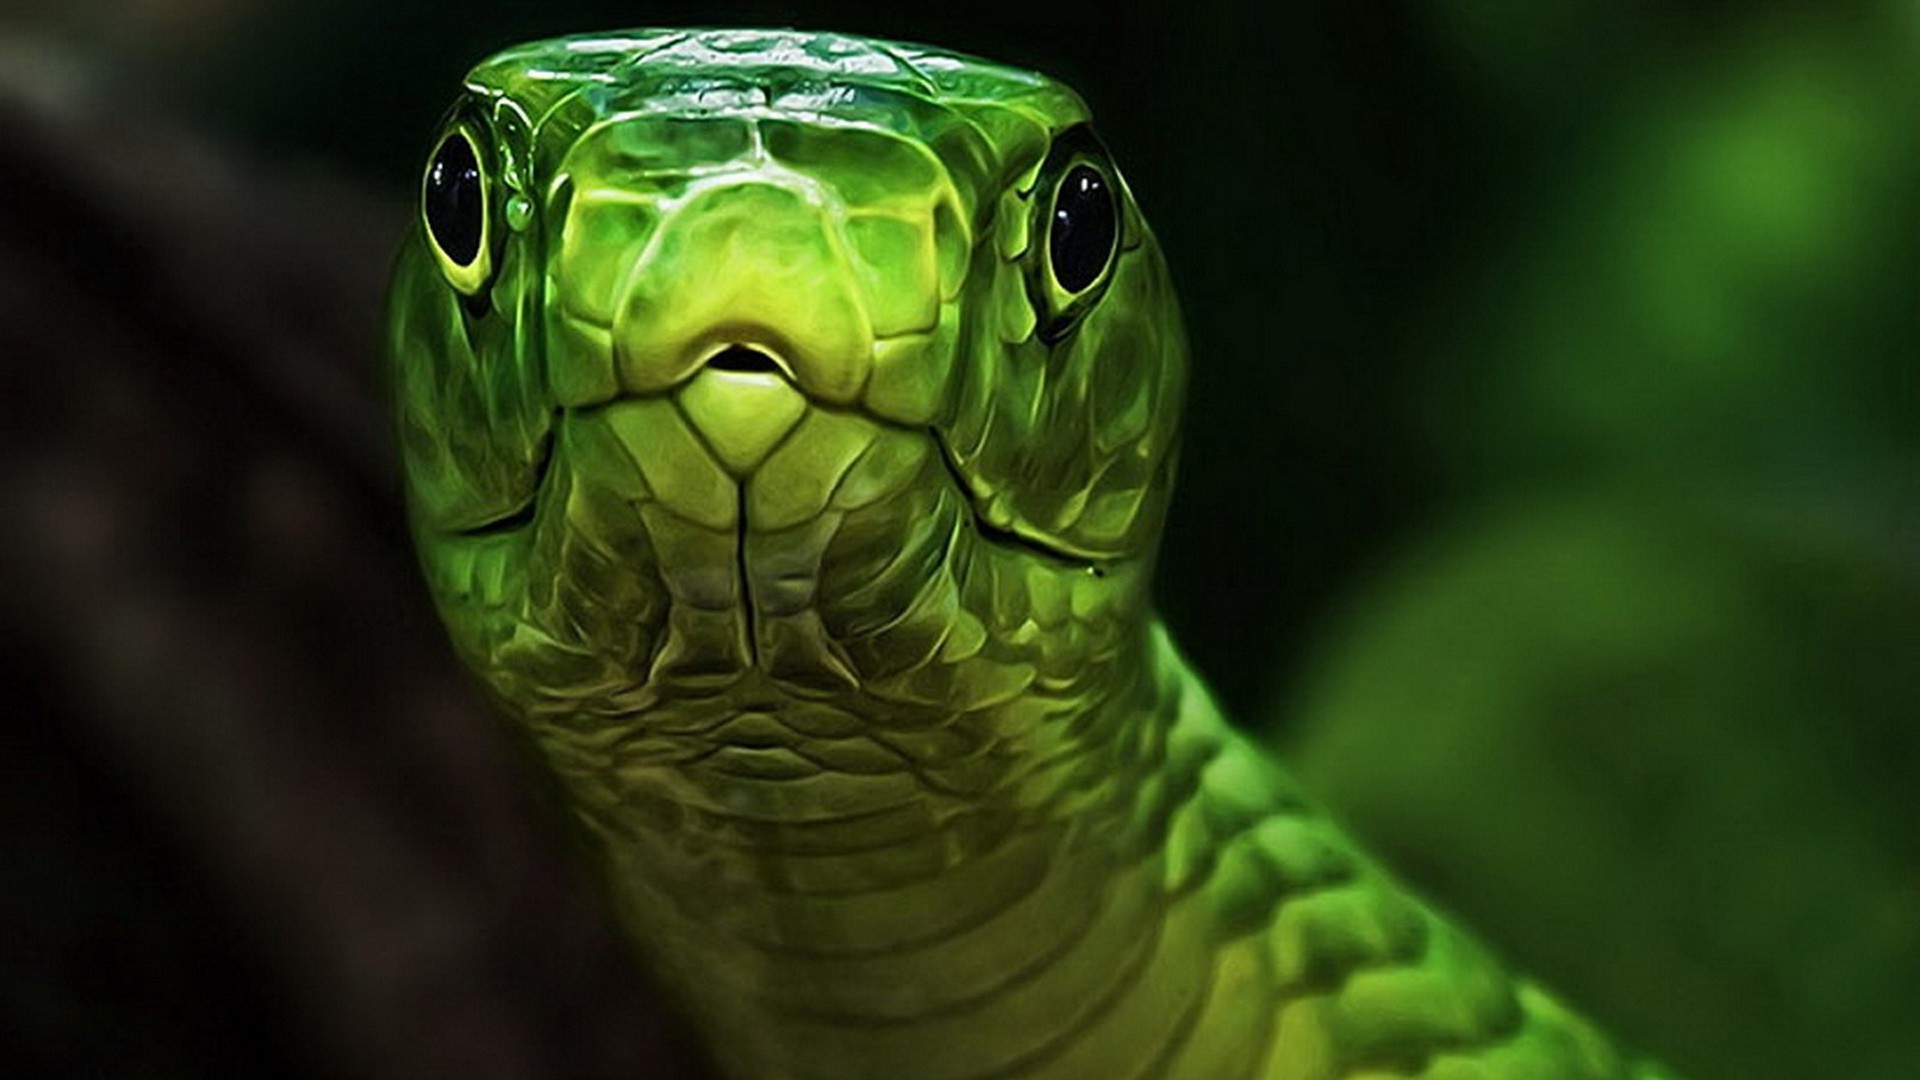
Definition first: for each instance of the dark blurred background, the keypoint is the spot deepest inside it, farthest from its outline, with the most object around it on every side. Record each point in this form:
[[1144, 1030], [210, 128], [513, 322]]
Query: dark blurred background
[[1550, 498]]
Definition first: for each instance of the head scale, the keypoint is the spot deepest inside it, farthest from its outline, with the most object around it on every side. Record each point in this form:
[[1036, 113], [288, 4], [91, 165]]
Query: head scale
[[752, 366]]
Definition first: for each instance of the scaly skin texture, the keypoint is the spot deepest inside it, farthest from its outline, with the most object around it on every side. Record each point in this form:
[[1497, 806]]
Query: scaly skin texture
[[840, 648]]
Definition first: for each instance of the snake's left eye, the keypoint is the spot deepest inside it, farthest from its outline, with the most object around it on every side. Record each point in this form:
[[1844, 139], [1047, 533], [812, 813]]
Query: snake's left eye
[[453, 203], [1081, 238], [1077, 232]]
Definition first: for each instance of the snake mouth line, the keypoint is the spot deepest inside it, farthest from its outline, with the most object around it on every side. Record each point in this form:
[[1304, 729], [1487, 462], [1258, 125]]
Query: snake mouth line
[[1002, 534], [754, 360], [522, 515]]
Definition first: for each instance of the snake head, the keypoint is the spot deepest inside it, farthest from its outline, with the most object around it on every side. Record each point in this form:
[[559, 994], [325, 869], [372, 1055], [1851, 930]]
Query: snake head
[[766, 362]]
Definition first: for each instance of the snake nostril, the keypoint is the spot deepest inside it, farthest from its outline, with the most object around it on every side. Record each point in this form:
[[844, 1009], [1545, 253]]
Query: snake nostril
[[743, 358]]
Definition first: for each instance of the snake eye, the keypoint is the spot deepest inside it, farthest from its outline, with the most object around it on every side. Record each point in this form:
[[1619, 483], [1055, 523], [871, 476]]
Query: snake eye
[[1077, 226], [453, 202], [1081, 239]]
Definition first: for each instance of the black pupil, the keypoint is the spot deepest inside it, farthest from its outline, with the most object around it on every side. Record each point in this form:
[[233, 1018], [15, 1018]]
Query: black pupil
[[1081, 239], [453, 200]]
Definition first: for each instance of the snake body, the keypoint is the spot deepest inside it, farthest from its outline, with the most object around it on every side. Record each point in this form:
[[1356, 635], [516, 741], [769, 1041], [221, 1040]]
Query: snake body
[[788, 422]]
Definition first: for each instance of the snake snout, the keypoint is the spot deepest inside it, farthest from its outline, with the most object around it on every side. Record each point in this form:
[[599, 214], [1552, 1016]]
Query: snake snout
[[748, 262]]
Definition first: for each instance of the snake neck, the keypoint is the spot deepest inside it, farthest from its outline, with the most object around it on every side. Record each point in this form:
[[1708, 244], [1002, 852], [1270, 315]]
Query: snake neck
[[1054, 887], [849, 880]]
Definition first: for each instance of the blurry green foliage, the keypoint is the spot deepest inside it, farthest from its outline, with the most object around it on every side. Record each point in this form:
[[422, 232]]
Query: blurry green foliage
[[1644, 701], [1719, 279], [1661, 751]]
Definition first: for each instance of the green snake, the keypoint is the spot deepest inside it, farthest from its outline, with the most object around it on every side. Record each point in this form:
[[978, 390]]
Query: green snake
[[788, 422]]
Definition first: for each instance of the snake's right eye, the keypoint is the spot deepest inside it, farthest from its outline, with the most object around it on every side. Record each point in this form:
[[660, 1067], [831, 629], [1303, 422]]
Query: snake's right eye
[[453, 203]]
